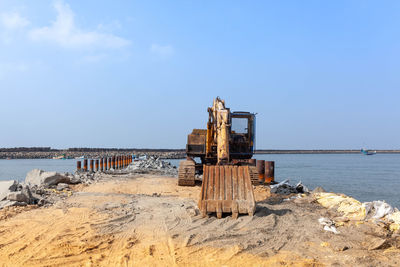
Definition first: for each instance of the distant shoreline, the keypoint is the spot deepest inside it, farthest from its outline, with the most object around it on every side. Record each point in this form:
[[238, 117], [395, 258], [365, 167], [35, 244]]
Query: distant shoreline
[[48, 153], [322, 151]]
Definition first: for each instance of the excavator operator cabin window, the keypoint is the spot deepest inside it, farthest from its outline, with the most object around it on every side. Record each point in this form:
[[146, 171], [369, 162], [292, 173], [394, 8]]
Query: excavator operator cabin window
[[240, 125]]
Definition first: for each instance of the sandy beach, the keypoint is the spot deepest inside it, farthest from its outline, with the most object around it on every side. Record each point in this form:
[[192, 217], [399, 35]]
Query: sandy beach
[[132, 220]]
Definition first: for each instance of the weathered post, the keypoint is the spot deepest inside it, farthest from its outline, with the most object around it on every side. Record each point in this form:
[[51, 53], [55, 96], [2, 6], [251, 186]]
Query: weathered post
[[101, 164], [96, 165], [78, 165], [260, 164], [114, 162], [85, 165], [269, 171], [105, 163], [91, 165]]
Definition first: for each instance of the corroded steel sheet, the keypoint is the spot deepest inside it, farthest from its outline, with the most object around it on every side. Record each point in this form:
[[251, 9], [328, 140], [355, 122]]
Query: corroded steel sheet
[[269, 171], [226, 189]]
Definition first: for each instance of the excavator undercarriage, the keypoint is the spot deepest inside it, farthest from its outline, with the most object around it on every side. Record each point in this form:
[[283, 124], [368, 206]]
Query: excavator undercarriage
[[186, 172]]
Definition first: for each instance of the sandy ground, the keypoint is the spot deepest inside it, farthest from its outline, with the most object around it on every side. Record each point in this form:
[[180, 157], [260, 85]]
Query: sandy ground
[[149, 220]]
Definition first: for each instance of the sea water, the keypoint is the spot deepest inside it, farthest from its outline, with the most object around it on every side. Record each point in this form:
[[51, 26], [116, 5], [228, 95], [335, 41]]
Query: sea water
[[365, 178], [16, 169]]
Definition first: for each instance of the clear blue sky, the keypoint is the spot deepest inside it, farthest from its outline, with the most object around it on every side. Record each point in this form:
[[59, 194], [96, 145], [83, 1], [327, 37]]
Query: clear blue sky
[[320, 74]]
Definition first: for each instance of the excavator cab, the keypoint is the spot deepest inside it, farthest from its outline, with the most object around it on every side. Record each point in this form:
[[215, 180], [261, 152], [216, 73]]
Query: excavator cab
[[241, 141]]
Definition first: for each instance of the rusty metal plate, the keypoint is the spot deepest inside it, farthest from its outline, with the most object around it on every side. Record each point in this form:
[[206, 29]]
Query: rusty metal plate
[[226, 189]]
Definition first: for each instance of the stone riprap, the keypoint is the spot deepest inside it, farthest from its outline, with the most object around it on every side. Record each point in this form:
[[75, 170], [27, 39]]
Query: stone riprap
[[178, 154]]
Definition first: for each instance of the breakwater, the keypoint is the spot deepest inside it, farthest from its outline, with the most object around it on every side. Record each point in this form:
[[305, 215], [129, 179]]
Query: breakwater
[[49, 153], [322, 151]]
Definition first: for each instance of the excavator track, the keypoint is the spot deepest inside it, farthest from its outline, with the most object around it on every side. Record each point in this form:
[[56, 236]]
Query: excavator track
[[186, 173], [226, 189]]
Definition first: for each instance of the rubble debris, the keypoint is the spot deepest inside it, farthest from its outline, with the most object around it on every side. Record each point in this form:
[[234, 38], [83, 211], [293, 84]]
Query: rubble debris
[[152, 165], [43, 187], [62, 186], [354, 210], [381, 208], [284, 188], [394, 219], [329, 225], [348, 206], [9, 203], [6, 187], [18, 196], [25, 190], [301, 188], [40, 177], [377, 243]]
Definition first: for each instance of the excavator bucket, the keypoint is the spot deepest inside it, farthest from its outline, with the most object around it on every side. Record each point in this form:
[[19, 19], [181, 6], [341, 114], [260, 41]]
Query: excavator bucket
[[226, 189], [186, 173]]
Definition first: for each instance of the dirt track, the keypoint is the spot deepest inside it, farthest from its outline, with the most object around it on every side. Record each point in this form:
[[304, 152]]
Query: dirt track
[[148, 220]]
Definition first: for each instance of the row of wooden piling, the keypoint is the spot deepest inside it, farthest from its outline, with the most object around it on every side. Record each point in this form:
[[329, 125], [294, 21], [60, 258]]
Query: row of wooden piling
[[265, 169], [104, 164]]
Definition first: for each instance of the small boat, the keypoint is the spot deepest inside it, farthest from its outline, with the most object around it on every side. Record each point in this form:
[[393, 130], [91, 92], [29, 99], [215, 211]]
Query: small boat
[[368, 152], [63, 156]]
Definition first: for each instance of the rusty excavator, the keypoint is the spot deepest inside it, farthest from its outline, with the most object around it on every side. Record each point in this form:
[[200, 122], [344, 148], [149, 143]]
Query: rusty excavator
[[224, 150]]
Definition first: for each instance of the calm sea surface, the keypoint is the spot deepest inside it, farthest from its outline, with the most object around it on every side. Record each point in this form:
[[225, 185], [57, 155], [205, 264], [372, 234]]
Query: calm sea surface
[[366, 178]]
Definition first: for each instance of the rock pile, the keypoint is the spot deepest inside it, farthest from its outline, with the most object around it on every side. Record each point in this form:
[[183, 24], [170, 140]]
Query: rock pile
[[13, 193], [284, 188], [152, 165], [42, 187]]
